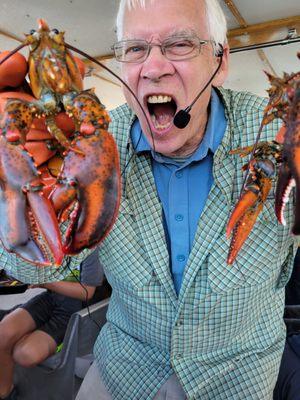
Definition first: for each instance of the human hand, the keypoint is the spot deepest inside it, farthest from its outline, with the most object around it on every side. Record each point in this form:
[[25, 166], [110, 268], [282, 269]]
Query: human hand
[[36, 286]]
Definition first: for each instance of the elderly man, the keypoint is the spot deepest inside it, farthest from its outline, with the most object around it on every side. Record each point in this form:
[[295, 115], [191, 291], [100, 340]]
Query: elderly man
[[181, 322]]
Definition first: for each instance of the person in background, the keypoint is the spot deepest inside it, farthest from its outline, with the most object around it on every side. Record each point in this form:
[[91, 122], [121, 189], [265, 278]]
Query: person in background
[[31, 332], [288, 382]]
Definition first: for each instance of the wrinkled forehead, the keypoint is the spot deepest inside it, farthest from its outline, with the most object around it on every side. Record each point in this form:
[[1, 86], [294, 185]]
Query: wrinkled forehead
[[164, 18]]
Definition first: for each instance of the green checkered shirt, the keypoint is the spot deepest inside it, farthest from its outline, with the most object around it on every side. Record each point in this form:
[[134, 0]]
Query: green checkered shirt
[[224, 335]]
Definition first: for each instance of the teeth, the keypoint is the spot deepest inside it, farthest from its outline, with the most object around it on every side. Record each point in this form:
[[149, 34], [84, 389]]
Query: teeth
[[158, 125], [159, 99]]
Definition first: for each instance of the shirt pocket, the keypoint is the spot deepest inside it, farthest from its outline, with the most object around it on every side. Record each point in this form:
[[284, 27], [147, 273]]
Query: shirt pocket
[[131, 278], [256, 261]]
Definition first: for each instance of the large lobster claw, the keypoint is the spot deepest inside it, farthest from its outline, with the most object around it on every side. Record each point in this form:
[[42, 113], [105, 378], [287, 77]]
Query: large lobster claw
[[289, 172], [86, 188], [28, 226], [89, 183], [284, 103], [250, 204]]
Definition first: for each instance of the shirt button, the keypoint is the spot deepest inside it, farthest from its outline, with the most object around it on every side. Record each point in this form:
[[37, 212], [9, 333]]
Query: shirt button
[[180, 257], [179, 322], [179, 217], [178, 174], [161, 374]]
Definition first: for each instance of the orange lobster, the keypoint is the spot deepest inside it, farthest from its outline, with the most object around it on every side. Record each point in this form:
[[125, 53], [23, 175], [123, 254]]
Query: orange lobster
[[284, 103], [58, 163]]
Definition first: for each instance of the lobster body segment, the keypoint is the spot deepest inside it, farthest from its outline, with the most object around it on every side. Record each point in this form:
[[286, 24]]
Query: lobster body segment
[[284, 152], [58, 163], [52, 69]]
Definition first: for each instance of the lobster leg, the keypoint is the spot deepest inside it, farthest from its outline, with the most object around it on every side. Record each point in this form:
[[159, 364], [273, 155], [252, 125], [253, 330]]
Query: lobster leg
[[58, 134]]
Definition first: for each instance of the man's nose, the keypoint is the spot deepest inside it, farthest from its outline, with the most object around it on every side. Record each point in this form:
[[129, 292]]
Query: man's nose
[[156, 65]]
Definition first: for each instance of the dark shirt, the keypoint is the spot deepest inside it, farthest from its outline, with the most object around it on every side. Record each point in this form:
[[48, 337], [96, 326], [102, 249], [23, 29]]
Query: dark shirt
[[288, 382], [292, 293], [91, 274]]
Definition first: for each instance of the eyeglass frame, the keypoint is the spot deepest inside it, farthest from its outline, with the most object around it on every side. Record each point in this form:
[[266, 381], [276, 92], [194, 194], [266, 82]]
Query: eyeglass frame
[[162, 48]]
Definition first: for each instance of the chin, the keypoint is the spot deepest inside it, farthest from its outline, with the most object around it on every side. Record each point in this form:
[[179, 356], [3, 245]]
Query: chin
[[168, 150]]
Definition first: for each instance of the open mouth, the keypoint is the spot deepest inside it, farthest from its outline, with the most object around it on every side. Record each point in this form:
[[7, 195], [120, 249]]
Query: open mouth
[[162, 109]]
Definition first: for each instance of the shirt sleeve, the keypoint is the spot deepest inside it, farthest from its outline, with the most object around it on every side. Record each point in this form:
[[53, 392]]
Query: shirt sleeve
[[34, 274]]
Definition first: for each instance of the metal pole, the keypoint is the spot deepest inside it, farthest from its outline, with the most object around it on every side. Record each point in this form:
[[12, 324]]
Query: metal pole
[[274, 43]]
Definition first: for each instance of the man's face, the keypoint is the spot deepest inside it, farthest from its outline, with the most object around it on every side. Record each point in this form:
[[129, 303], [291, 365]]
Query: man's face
[[179, 81]]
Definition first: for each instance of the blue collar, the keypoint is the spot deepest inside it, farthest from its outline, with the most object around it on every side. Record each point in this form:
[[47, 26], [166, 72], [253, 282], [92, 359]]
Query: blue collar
[[212, 138]]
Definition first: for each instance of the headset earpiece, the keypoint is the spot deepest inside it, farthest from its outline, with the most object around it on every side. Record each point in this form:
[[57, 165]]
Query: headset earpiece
[[220, 51]]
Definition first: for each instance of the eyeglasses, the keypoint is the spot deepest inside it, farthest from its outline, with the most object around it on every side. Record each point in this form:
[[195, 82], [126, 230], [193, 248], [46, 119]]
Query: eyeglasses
[[175, 48]]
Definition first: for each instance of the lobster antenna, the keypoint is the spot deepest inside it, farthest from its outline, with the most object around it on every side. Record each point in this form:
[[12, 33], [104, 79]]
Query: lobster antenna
[[123, 82], [12, 53]]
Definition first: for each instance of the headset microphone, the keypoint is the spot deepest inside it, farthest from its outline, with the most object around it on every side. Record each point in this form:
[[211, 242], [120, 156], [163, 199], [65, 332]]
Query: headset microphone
[[182, 117]]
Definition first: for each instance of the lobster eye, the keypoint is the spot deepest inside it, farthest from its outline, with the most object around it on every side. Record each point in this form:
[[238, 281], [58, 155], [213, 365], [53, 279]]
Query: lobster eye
[[56, 31], [32, 32]]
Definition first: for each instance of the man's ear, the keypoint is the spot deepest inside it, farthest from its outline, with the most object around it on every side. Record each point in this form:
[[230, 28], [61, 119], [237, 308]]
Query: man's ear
[[221, 76]]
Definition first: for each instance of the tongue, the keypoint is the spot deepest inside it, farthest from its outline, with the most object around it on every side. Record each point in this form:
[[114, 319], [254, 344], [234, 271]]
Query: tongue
[[163, 113]]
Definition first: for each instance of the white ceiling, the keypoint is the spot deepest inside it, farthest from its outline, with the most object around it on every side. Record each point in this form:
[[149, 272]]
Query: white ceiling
[[89, 25], [256, 11], [246, 68]]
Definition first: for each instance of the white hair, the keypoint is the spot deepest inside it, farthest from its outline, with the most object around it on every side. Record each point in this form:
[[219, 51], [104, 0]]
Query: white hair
[[216, 21]]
